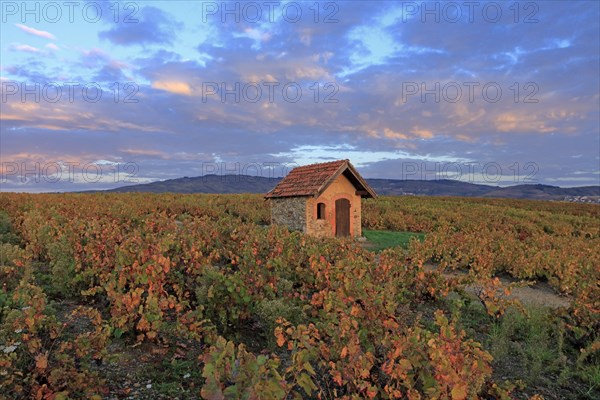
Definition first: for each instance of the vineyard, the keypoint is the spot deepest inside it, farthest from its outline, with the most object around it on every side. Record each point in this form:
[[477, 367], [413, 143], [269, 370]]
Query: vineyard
[[198, 296]]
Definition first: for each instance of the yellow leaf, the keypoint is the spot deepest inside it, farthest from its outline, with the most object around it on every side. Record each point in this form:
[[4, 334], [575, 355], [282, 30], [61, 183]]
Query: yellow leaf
[[459, 392], [405, 364]]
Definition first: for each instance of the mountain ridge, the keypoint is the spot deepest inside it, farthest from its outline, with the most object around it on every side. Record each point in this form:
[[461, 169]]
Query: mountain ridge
[[231, 184]]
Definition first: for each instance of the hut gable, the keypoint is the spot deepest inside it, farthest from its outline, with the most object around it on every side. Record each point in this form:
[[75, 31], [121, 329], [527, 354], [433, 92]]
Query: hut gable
[[320, 199]]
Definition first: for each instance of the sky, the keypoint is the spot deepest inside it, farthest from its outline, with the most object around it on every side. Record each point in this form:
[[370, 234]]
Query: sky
[[101, 94]]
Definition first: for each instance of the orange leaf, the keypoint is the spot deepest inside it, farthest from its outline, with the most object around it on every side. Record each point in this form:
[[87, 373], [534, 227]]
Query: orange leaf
[[371, 392], [337, 377], [279, 336], [41, 361], [344, 352]]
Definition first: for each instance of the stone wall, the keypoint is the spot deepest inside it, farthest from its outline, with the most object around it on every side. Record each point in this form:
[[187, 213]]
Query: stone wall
[[290, 212]]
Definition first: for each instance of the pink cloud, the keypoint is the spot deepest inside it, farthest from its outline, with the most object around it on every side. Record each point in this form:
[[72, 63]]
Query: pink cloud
[[25, 47], [36, 32]]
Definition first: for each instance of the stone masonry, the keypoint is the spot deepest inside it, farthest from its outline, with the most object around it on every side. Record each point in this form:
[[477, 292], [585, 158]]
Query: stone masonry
[[290, 212]]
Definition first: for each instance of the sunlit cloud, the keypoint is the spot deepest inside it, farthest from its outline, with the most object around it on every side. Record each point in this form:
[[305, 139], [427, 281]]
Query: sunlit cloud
[[173, 87], [144, 152], [390, 134], [12, 117], [513, 122]]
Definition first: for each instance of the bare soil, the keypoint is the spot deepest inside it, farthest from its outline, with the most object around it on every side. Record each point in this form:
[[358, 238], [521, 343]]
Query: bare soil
[[540, 293]]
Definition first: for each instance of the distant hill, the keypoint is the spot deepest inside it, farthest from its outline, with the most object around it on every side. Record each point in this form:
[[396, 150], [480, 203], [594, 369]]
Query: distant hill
[[544, 192], [387, 187], [442, 187], [206, 184]]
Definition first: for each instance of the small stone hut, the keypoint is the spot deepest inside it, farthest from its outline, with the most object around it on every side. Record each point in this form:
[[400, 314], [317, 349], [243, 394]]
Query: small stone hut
[[320, 199]]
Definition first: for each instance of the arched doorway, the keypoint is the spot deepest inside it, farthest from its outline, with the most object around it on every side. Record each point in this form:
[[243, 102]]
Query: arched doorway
[[342, 217]]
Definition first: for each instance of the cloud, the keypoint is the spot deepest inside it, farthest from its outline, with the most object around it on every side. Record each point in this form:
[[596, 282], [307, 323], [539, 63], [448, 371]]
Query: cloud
[[390, 134], [106, 68], [35, 32], [422, 133], [52, 46], [173, 87], [25, 48], [144, 152], [154, 26], [370, 122], [94, 57], [256, 35], [513, 122]]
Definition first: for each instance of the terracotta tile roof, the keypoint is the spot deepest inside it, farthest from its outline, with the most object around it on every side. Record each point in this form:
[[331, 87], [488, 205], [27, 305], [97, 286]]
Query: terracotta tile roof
[[310, 180]]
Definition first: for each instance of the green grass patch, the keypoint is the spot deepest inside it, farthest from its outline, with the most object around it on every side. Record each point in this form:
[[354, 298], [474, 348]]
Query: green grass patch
[[531, 349], [379, 240]]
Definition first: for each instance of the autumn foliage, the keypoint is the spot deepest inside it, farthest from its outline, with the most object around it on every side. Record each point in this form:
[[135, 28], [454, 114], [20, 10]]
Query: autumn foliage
[[334, 320]]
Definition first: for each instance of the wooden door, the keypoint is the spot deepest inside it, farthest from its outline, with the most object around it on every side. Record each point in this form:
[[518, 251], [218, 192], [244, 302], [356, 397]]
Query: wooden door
[[342, 217]]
